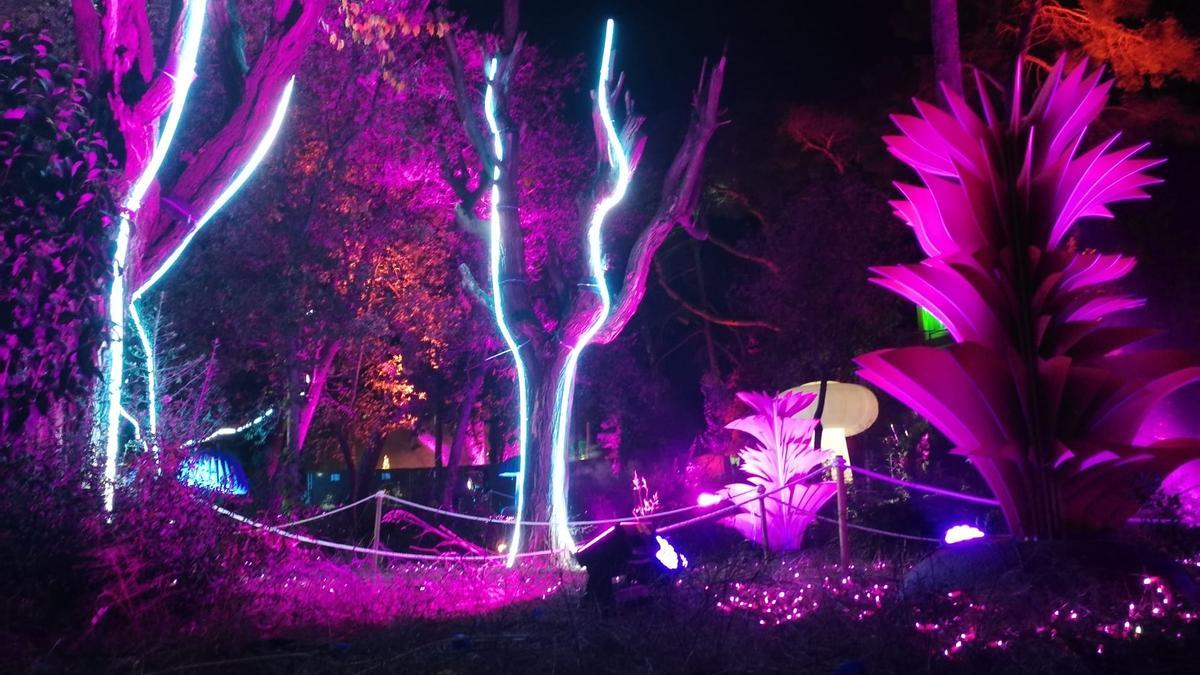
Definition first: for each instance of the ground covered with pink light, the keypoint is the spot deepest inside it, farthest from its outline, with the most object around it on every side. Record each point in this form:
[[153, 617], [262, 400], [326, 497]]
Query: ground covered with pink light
[[311, 613]]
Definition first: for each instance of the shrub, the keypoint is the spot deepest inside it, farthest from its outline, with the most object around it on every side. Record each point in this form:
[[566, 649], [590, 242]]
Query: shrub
[[54, 250]]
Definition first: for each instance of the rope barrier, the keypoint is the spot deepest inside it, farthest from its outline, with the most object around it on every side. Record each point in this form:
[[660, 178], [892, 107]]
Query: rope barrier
[[281, 531], [370, 551], [926, 488], [885, 533], [541, 523], [853, 526], [725, 509], [327, 513], [707, 516]]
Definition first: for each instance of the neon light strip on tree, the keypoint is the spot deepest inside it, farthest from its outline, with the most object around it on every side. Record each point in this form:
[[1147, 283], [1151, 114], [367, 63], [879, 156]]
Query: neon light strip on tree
[[495, 253], [137, 428], [185, 73], [232, 431], [151, 385], [243, 175], [618, 158]]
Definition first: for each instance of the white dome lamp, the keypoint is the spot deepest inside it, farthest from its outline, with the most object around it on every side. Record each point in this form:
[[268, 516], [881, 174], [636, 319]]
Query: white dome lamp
[[844, 410]]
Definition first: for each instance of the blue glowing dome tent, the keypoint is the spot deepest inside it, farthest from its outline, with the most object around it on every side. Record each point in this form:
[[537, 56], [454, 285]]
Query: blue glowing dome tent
[[215, 471]]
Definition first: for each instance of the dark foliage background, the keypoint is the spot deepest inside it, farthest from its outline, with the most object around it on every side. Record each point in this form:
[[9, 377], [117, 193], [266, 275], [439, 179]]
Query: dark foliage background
[[57, 211]]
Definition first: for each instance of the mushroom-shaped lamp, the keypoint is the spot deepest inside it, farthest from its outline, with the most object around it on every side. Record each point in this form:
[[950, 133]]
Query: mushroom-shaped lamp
[[849, 409]]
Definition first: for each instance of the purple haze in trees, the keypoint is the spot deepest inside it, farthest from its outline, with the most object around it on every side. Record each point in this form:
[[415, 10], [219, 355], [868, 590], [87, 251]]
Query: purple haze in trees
[[1038, 389], [778, 463]]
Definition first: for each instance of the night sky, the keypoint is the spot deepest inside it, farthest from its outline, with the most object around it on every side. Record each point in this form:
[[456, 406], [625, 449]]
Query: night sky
[[863, 57], [779, 51]]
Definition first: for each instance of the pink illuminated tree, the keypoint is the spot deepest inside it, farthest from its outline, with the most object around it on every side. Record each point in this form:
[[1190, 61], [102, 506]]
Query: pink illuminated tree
[[146, 90], [1040, 390], [551, 308]]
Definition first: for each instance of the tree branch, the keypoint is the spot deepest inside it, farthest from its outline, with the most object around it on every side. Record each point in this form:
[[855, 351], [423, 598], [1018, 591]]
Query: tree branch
[[458, 176], [316, 389], [473, 288], [231, 38], [225, 153], [703, 313], [445, 539], [138, 122], [463, 105], [739, 253], [630, 131], [87, 39], [678, 202]]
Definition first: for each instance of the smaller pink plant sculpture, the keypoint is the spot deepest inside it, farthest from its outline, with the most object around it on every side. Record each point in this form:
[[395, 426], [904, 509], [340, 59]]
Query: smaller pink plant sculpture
[[783, 457], [646, 503]]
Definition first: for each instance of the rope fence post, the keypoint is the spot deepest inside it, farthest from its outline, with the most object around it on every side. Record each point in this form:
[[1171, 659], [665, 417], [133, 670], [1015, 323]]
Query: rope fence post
[[762, 516], [843, 520], [378, 519]]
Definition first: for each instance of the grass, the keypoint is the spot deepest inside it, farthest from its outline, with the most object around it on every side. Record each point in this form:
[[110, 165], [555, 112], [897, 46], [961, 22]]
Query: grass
[[420, 619]]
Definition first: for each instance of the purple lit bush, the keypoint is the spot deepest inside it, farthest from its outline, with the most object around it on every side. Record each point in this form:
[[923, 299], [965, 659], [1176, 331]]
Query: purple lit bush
[[54, 206]]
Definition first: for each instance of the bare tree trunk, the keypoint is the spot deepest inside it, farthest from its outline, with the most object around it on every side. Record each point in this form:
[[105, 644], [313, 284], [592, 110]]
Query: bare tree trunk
[[116, 43], [947, 54], [366, 468], [543, 385], [347, 449], [282, 461], [495, 441], [709, 346], [462, 429], [316, 388], [545, 350]]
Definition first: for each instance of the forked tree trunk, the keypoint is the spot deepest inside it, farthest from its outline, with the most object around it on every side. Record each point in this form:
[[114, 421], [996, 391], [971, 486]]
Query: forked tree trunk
[[545, 349]]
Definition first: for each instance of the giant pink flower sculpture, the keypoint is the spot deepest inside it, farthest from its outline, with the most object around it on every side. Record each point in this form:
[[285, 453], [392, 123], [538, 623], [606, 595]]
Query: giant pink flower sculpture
[[1038, 390]]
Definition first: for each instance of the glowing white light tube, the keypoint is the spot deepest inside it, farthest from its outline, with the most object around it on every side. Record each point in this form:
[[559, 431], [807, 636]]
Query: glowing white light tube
[[185, 73], [243, 175], [137, 429], [618, 157], [232, 431], [495, 254], [151, 384]]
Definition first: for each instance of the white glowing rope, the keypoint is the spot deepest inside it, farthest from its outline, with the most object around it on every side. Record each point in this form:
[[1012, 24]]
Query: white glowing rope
[[243, 175], [137, 429], [151, 386], [617, 156], [495, 252], [232, 431], [185, 73]]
